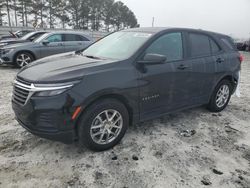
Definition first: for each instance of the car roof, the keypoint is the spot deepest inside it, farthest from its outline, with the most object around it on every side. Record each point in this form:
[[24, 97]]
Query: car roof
[[70, 32], [67, 32], [155, 30]]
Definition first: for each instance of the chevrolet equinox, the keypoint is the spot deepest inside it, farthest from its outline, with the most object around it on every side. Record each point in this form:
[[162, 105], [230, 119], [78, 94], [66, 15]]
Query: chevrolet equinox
[[127, 77]]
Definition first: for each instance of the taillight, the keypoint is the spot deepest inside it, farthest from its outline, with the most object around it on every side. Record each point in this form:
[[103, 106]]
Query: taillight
[[241, 58]]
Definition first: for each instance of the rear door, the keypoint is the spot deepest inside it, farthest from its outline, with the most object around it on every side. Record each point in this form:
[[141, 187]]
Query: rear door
[[74, 42], [203, 66], [55, 45]]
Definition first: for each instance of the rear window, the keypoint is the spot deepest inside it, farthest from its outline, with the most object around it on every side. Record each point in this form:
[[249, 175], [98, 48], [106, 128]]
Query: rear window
[[200, 45], [228, 42]]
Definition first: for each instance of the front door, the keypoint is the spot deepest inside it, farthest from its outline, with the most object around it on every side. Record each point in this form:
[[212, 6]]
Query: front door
[[165, 87], [55, 45]]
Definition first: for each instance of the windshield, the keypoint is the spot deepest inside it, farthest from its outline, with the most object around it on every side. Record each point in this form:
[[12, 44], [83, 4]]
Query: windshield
[[40, 38], [119, 45], [27, 36]]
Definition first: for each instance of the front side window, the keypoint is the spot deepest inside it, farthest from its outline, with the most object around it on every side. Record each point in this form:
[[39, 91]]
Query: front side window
[[120, 45], [55, 38], [199, 45], [169, 45]]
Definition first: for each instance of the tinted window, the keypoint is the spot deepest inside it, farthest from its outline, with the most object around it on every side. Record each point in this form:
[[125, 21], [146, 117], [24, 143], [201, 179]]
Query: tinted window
[[55, 38], [214, 47], [229, 43], [169, 45], [73, 37], [81, 38], [199, 45], [69, 37]]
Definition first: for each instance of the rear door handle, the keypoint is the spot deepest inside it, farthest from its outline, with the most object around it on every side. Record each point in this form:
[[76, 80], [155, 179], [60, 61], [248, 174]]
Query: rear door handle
[[182, 67], [220, 60]]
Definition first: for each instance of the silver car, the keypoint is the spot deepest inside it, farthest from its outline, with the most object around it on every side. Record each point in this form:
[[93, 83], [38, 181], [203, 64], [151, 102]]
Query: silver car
[[46, 45]]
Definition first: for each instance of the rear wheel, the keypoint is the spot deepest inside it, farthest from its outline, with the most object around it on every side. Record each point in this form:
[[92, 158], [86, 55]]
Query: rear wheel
[[103, 125], [23, 58], [221, 96]]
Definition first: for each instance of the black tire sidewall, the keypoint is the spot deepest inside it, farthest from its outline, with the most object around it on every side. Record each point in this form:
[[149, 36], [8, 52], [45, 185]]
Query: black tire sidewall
[[212, 104], [88, 116], [26, 53]]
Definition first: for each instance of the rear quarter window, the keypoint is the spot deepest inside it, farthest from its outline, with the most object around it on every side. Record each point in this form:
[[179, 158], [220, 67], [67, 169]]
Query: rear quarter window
[[214, 46], [228, 42]]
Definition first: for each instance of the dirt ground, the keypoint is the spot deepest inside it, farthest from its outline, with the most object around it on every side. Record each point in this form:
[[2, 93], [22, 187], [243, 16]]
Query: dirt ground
[[152, 154]]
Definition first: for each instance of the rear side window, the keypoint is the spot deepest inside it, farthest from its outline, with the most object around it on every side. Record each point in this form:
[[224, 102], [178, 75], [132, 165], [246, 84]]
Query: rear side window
[[228, 43], [81, 38], [169, 45], [214, 47], [200, 45], [73, 37], [69, 37]]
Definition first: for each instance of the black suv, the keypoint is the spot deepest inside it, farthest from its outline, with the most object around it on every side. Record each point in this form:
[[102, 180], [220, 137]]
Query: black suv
[[127, 77]]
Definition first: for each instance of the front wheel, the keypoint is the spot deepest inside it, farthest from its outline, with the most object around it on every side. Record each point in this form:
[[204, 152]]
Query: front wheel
[[103, 125], [23, 58], [221, 96]]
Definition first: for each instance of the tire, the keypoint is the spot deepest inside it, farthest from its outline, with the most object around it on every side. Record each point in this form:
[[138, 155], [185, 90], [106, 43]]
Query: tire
[[23, 58], [214, 104], [94, 116]]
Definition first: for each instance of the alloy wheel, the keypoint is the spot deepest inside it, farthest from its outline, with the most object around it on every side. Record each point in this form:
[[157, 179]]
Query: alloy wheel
[[106, 127], [23, 60], [222, 96]]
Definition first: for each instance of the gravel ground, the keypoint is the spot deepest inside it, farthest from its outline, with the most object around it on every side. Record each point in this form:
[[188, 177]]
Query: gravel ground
[[152, 154]]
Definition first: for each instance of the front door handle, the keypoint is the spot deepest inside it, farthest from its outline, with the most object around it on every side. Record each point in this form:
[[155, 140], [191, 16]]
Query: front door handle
[[220, 60], [182, 67]]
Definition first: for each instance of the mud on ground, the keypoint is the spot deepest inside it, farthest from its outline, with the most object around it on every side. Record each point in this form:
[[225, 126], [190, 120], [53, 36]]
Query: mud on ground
[[152, 154]]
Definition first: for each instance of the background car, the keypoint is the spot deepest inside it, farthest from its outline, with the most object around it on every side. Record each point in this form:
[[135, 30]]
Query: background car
[[17, 34], [26, 38], [243, 46], [46, 45]]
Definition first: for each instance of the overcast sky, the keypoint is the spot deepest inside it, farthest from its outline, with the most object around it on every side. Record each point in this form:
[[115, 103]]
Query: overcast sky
[[226, 16]]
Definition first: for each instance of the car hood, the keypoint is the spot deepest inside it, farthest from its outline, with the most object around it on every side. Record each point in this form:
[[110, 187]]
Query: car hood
[[9, 40], [16, 45], [62, 68]]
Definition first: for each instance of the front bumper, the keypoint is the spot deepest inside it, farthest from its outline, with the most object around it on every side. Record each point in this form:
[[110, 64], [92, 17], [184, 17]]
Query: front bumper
[[47, 117], [66, 137], [5, 60]]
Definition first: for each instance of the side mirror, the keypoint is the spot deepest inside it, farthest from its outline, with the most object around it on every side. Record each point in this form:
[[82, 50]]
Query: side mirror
[[152, 59], [45, 42]]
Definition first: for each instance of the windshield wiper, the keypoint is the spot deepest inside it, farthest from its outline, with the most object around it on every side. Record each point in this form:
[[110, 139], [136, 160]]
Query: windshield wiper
[[92, 57]]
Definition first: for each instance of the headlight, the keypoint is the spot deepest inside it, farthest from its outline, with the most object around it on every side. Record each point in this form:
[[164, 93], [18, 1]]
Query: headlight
[[49, 93], [6, 51], [45, 90]]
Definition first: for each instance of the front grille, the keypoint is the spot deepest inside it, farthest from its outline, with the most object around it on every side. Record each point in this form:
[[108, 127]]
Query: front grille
[[1, 52], [21, 92]]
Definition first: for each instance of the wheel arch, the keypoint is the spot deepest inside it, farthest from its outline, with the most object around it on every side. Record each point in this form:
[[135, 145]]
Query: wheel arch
[[230, 77], [22, 51], [116, 96]]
